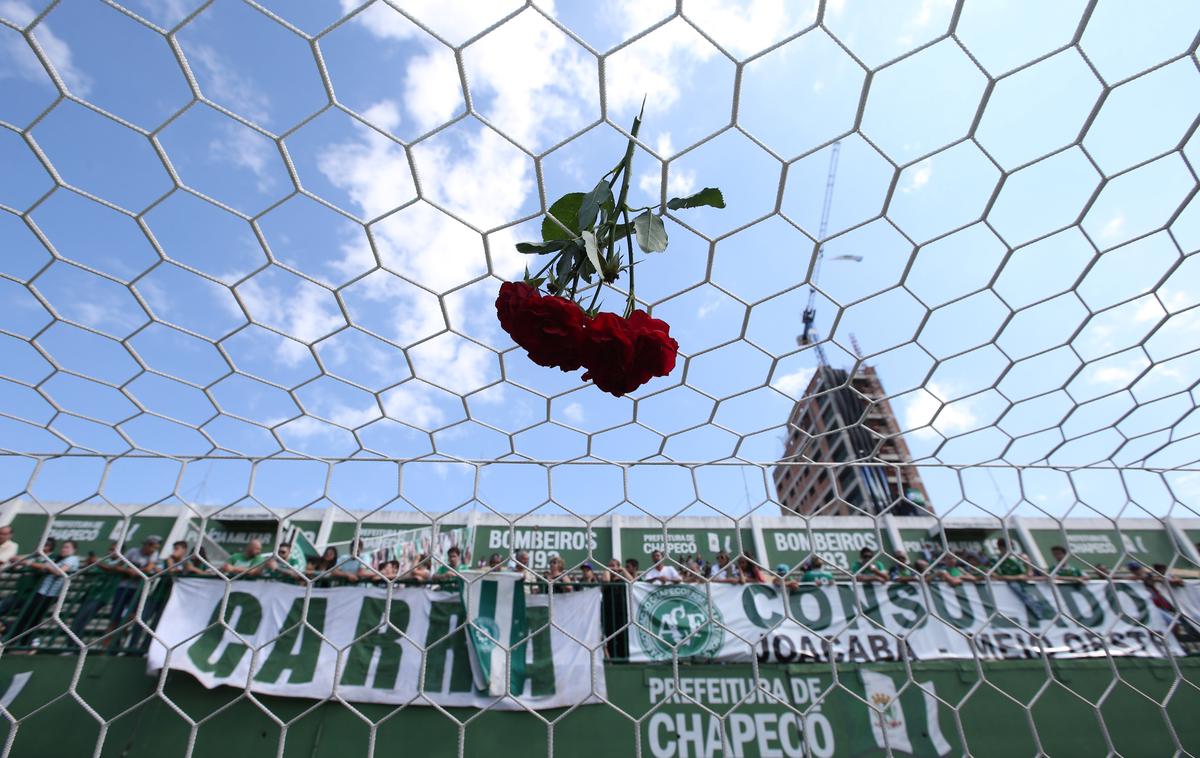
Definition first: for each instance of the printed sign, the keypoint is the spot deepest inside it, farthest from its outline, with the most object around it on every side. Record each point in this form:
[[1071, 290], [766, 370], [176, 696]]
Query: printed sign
[[836, 547], [406, 647], [575, 545], [681, 543], [1109, 547], [869, 622]]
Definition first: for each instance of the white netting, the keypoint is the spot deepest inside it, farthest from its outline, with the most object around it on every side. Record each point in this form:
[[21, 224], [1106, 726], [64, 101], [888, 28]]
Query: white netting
[[249, 253]]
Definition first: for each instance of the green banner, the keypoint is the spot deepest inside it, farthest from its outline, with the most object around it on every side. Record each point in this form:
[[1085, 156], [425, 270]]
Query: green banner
[[1015, 708], [575, 545], [1112, 548], [92, 533], [836, 547], [680, 542]]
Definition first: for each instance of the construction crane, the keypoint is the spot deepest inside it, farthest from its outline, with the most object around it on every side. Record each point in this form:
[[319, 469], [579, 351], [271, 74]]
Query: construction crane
[[809, 336], [848, 409]]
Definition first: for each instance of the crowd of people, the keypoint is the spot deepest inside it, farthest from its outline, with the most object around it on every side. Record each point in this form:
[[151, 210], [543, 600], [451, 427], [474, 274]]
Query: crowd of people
[[118, 579]]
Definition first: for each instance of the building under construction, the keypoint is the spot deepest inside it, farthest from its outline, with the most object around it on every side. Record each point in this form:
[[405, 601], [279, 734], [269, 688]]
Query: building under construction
[[847, 419]]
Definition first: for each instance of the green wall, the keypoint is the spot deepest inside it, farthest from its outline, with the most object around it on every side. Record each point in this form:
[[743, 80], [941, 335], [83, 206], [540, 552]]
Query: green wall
[[992, 719]]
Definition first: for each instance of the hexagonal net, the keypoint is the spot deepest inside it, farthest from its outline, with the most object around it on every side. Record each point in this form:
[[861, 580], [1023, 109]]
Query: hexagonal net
[[948, 315]]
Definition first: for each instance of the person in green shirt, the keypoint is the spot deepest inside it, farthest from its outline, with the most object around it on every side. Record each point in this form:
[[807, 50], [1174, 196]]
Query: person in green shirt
[[286, 564], [452, 564], [817, 573], [1063, 570], [447, 573], [903, 571], [249, 562], [868, 568], [1009, 567]]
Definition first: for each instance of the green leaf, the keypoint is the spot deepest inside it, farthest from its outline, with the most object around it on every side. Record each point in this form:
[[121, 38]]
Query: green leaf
[[589, 207], [593, 252], [540, 248], [710, 196], [565, 212], [651, 234]]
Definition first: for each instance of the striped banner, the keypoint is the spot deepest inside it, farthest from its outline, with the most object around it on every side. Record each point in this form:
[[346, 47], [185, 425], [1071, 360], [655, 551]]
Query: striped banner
[[496, 623]]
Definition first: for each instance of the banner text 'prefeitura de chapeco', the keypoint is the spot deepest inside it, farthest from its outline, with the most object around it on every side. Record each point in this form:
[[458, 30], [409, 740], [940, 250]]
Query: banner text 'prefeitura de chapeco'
[[364, 644], [895, 621]]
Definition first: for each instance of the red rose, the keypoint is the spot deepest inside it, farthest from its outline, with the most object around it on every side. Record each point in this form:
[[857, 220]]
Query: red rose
[[654, 350], [549, 328], [609, 354]]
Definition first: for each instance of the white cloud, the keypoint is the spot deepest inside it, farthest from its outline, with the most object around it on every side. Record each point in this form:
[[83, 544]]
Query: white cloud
[[305, 312], [680, 181], [918, 176], [657, 66], [929, 414], [223, 83], [526, 76], [246, 149], [793, 384], [574, 413], [1113, 227], [1117, 375], [372, 169], [24, 63], [746, 28]]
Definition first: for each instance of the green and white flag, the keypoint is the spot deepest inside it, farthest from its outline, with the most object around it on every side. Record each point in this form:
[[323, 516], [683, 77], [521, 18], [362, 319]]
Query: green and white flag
[[903, 722], [496, 623]]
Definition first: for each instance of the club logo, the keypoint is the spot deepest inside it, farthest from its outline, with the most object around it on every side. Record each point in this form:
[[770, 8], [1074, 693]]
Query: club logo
[[679, 621]]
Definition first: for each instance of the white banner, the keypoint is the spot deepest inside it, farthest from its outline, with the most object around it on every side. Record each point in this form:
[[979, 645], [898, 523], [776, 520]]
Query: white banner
[[411, 650], [888, 622]]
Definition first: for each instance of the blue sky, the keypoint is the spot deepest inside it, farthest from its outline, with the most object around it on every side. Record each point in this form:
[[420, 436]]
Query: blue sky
[[1024, 210]]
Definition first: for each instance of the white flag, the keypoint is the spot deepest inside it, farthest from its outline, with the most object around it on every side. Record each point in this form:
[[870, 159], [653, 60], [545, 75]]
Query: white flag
[[886, 712]]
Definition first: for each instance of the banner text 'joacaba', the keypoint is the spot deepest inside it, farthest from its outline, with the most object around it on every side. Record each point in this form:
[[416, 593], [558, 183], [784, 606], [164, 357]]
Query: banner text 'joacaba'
[[409, 646], [875, 622]]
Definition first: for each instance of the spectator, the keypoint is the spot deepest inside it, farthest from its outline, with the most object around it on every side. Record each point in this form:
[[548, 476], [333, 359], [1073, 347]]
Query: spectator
[[556, 576], [587, 574], [783, 579], [8, 548], [348, 569], [633, 569], [134, 567], [328, 560], [817, 573], [902, 571], [1062, 569], [1162, 574], [947, 570], [724, 572], [660, 571], [449, 569], [199, 565], [101, 588], [616, 573], [867, 568], [693, 572], [1009, 567], [177, 560], [285, 563], [1103, 571], [310, 564], [249, 561], [1137, 571], [920, 570], [390, 570], [421, 571], [496, 562], [51, 586], [522, 565], [750, 571]]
